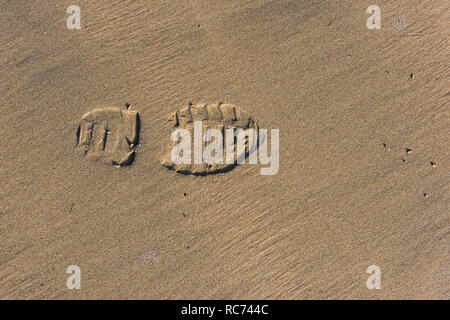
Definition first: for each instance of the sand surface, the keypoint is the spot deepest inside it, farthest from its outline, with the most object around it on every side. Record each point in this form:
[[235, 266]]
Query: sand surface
[[348, 102]]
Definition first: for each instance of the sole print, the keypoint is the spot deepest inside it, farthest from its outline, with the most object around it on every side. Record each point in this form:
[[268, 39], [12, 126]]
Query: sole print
[[109, 135], [212, 116]]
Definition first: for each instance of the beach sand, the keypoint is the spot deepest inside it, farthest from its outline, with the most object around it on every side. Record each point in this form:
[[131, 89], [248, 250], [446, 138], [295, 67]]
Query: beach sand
[[363, 180]]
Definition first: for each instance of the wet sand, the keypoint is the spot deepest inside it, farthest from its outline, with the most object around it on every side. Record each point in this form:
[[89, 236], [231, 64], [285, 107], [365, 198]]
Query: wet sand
[[348, 103]]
